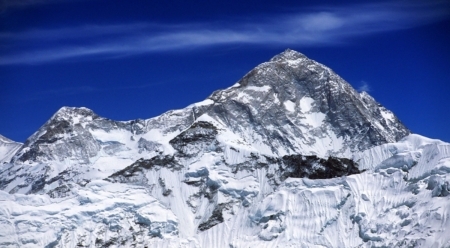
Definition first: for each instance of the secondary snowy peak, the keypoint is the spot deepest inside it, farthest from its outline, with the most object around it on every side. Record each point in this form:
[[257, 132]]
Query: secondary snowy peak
[[76, 145], [293, 104], [7, 149], [70, 135], [67, 112], [62, 136], [3, 139]]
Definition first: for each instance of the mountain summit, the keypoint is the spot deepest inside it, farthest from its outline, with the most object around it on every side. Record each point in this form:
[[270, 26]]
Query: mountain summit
[[290, 155], [293, 104]]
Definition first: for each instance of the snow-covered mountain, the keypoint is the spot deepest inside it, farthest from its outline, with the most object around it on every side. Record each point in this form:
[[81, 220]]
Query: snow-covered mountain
[[289, 156]]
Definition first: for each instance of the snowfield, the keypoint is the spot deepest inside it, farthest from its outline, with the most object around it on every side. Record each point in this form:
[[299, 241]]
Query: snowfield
[[401, 200]]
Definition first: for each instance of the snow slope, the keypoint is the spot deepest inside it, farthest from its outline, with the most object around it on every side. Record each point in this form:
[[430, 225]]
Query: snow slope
[[7, 149], [391, 204]]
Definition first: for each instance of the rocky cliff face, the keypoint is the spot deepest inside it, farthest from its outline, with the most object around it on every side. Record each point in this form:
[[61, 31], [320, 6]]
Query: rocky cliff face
[[289, 155]]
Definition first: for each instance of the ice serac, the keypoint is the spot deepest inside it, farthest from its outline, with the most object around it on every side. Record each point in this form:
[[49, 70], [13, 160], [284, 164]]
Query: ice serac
[[7, 149], [289, 156]]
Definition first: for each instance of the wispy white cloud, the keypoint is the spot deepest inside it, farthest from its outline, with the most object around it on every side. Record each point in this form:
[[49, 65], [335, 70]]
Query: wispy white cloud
[[364, 87], [322, 21], [316, 27]]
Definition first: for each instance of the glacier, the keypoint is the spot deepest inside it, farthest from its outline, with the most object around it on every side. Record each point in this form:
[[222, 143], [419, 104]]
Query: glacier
[[289, 156]]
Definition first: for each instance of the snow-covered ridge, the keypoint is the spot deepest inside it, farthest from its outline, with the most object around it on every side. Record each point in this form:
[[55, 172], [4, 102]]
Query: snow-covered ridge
[[7, 149]]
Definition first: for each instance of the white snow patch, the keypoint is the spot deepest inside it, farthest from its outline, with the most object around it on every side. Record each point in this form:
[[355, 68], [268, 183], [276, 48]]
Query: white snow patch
[[306, 104], [294, 63], [289, 105], [264, 88], [314, 119], [388, 115], [235, 85], [205, 102]]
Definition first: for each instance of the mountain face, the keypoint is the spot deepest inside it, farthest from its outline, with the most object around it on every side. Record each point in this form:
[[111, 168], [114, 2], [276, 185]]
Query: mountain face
[[293, 104], [291, 155]]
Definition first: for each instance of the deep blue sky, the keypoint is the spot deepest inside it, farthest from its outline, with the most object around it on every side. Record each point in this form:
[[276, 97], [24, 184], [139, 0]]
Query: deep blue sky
[[138, 59]]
